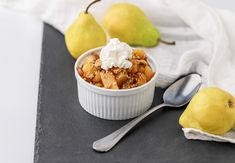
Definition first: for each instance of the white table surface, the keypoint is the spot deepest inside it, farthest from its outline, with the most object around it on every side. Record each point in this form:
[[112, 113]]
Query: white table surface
[[20, 51]]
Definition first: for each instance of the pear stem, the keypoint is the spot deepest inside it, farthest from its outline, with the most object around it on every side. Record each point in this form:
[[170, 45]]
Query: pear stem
[[166, 42], [86, 11]]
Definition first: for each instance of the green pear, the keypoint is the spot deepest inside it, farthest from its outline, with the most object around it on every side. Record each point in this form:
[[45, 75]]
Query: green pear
[[129, 23], [211, 110], [84, 34]]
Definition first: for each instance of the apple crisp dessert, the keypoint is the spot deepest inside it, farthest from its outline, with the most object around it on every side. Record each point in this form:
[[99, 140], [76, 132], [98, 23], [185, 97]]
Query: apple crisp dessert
[[117, 78]]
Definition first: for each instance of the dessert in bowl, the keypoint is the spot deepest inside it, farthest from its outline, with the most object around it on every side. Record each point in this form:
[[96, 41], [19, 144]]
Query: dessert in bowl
[[116, 81]]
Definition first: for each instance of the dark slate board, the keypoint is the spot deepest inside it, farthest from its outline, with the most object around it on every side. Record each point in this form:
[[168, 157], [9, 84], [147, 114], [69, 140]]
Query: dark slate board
[[65, 132]]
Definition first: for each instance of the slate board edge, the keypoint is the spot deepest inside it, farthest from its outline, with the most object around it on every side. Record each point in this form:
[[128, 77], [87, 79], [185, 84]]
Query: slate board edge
[[38, 123]]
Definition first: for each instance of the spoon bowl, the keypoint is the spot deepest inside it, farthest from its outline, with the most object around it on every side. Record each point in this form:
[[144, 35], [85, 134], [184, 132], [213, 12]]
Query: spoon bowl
[[182, 91], [176, 95]]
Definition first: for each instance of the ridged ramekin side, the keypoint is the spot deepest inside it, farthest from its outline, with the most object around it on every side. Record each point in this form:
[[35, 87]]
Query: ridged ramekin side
[[115, 107]]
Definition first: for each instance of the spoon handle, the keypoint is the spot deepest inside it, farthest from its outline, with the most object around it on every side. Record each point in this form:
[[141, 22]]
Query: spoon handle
[[106, 143]]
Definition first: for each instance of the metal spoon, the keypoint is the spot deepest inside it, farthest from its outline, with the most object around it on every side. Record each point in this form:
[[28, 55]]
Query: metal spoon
[[177, 95]]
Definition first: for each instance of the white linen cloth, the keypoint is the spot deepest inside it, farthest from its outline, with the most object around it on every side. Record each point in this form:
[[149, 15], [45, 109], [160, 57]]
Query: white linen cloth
[[204, 38]]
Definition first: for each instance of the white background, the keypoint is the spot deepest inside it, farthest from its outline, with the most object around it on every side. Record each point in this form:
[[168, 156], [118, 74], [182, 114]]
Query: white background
[[20, 52]]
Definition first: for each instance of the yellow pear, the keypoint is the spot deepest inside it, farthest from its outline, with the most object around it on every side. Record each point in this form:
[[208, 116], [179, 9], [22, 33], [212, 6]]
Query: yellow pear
[[211, 110], [84, 34], [129, 23]]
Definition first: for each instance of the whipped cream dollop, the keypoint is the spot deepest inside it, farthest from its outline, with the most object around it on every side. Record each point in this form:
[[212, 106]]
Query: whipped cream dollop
[[115, 54]]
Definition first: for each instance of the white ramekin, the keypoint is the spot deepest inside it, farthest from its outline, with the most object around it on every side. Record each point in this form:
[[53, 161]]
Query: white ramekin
[[114, 104]]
